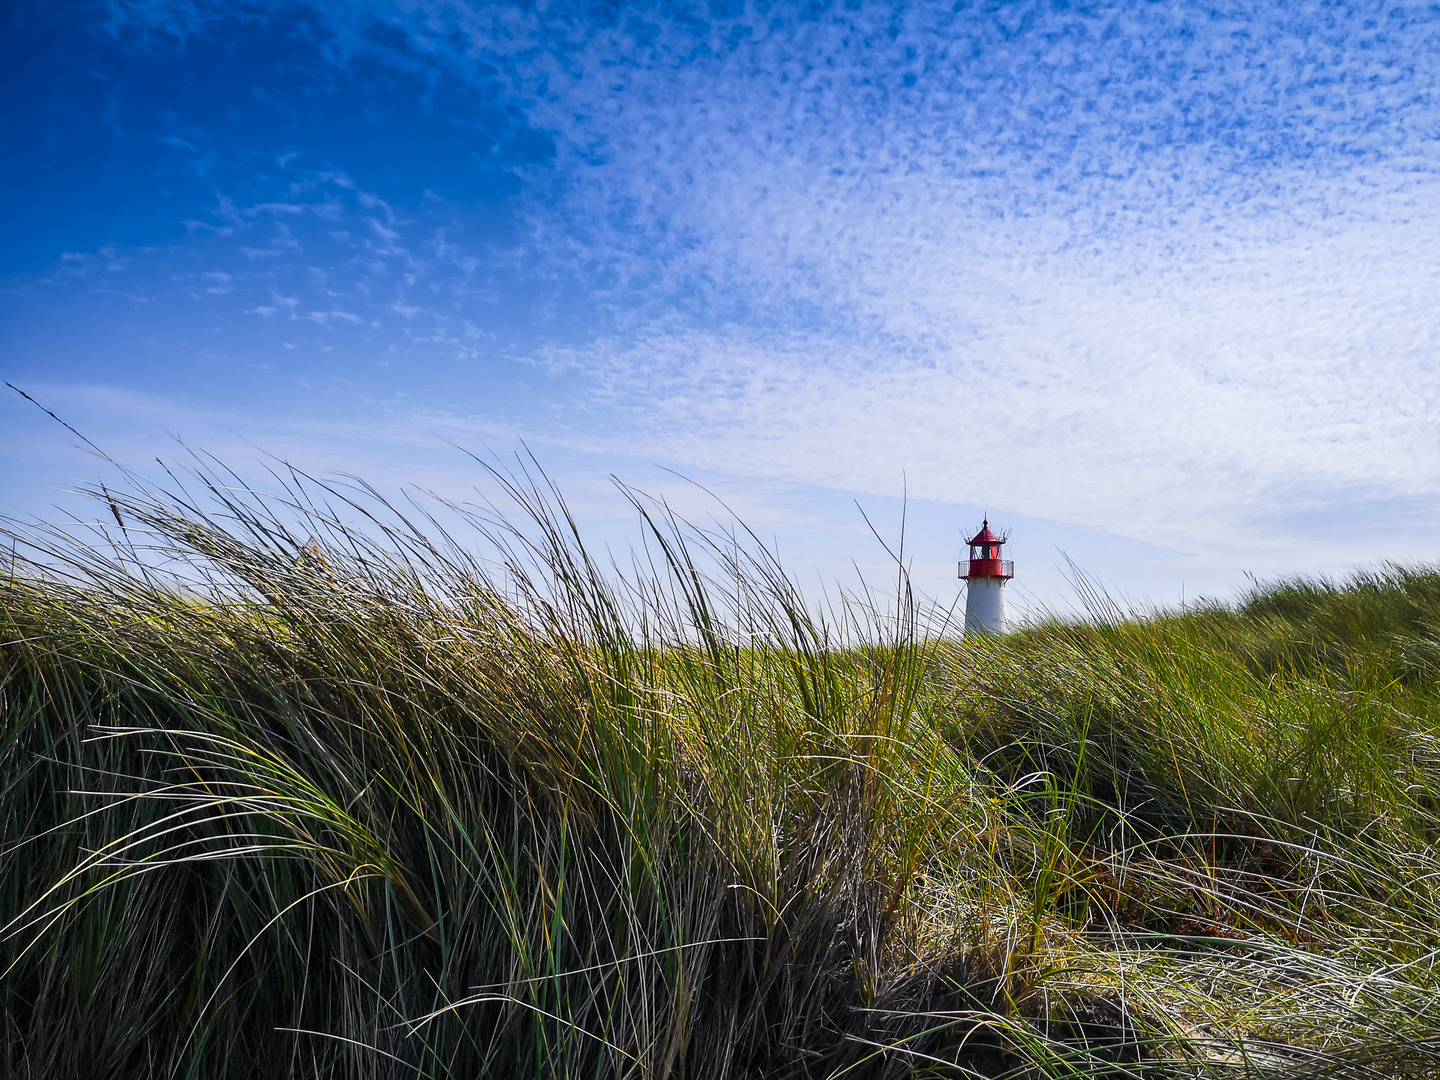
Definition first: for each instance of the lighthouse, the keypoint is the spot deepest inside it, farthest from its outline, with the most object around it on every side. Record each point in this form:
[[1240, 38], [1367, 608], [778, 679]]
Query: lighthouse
[[985, 581]]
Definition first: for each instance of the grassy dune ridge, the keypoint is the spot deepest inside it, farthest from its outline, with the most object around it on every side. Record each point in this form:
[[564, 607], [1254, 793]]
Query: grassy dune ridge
[[286, 796]]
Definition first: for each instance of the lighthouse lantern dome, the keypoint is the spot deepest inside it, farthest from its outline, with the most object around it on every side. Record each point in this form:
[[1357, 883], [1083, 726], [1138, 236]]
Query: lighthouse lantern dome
[[985, 536], [985, 560]]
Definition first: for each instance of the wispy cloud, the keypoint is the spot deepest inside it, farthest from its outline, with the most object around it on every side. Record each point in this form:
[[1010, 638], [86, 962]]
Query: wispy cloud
[[1165, 269], [1161, 269]]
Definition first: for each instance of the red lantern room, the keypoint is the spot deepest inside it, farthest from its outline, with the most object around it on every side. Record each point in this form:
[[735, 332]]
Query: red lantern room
[[985, 561]]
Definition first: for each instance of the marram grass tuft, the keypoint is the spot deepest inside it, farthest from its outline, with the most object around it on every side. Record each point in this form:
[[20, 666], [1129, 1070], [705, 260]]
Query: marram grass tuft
[[302, 785]]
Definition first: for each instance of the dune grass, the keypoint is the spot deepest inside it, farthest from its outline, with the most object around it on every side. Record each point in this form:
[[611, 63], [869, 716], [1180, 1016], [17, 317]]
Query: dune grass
[[299, 785]]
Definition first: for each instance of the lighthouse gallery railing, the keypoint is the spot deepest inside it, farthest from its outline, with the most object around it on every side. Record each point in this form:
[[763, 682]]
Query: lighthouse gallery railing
[[993, 568]]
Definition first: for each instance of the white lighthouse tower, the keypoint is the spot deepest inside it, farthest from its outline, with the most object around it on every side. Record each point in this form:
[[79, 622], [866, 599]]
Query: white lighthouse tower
[[985, 583]]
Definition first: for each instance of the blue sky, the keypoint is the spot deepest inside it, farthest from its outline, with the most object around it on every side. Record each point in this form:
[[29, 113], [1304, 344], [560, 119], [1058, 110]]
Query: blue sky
[[1155, 284]]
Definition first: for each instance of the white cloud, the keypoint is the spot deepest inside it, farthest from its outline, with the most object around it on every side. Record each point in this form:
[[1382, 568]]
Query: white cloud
[[1165, 269], [1190, 406], [324, 317], [1128, 281]]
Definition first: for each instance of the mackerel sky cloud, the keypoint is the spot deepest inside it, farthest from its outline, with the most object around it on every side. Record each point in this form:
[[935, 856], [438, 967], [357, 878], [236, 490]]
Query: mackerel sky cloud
[[1154, 283]]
